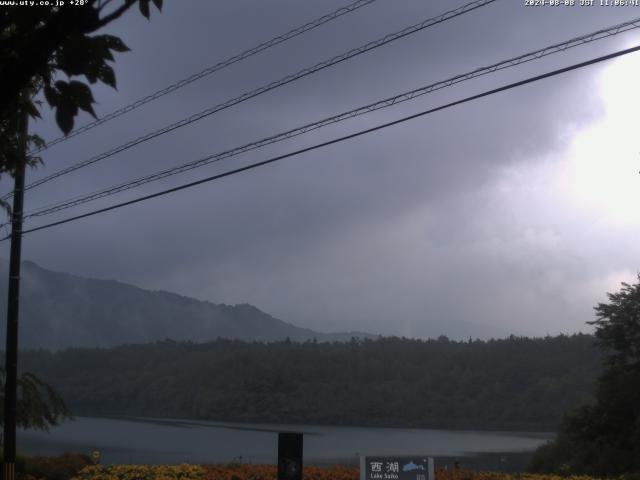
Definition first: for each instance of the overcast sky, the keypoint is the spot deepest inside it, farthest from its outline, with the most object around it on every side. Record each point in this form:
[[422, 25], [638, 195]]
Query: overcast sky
[[512, 214]]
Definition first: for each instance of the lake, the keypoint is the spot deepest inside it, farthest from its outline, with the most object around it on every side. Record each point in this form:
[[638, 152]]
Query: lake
[[151, 441]]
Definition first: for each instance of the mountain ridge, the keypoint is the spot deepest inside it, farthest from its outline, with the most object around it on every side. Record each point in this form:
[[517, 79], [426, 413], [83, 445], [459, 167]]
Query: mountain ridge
[[60, 310]]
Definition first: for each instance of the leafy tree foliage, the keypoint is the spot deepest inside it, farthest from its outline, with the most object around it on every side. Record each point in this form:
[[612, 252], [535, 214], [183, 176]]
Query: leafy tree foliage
[[604, 438], [39, 406], [510, 384], [49, 50], [45, 49]]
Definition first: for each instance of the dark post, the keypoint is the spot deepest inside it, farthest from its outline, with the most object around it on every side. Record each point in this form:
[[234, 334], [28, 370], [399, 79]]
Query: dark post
[[289, 456], [11, 360]]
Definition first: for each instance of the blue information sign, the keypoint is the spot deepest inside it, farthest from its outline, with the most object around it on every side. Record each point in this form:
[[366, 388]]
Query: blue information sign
[[396, 468]]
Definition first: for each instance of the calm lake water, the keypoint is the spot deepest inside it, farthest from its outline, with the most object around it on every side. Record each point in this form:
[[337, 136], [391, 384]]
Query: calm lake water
[[149, 441]]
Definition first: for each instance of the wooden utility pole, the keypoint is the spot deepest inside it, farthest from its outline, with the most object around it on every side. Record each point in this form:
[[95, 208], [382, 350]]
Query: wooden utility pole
[[13, 304]]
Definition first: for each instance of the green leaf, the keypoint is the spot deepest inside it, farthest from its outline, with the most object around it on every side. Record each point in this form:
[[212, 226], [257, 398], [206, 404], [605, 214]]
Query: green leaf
[[107, 75], [115, 43], [31, 110], [81, 95], [51, 95], [39, 406], [76, 56], [100, 49], [87, 55], [67, 107], [36, 140], [61, 86], [144, 8], [92, 75], [64, 119]]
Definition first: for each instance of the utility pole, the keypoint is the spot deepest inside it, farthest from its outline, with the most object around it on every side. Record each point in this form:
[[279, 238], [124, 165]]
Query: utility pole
[[13, 304]]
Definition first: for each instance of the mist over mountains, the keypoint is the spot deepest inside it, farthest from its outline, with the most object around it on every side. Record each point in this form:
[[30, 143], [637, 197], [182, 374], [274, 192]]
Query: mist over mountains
[[140, 352], [60, 310]]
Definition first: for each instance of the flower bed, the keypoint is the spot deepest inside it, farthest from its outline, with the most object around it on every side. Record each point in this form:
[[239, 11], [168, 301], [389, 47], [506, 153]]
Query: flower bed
[[142, 472], [269, 472], [208, 472]]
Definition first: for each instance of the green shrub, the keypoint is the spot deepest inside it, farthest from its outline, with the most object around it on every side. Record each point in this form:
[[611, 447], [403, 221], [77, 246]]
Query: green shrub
[[62, 467]]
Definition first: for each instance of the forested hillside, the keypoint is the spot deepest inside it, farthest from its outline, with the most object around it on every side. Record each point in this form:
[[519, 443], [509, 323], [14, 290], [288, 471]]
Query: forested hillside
[[60, 310], [511, 383]]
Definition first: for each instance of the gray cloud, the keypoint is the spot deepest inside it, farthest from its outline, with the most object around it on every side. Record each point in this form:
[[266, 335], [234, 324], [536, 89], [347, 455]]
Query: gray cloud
[[408, 231]]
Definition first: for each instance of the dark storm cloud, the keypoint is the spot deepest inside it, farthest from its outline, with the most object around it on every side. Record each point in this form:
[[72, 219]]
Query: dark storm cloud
[[397, 232]]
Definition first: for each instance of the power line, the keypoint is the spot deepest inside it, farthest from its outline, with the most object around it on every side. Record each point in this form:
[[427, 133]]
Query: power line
[[388, 102], [278, 83], [338, 140], [212, 69]]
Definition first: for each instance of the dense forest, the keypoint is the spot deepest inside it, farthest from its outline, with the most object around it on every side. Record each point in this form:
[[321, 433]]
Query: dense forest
[[513, 383]]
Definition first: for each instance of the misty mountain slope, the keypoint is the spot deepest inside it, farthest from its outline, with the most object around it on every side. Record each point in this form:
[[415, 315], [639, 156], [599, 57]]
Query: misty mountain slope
[[59, 310]]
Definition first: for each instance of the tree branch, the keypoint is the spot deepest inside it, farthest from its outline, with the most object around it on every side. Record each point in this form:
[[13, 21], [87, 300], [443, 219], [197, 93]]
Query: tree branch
[[59, 27], [103, 4], [116, 13]]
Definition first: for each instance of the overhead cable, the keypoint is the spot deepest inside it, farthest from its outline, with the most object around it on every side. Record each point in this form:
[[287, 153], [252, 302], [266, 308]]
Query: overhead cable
[[212, 69], [388, 102], [336, 140], [271, 86]]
